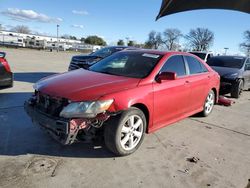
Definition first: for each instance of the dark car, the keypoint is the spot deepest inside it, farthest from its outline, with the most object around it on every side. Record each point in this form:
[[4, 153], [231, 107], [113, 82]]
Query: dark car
[[85, 61], [6, 76], [234, 72]]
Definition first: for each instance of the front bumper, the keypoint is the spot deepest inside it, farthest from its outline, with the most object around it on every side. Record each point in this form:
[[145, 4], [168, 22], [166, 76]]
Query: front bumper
[[58, 128], [226, 85]]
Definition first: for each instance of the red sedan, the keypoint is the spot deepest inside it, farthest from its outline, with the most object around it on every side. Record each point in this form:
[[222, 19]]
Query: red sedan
[[124, 96]]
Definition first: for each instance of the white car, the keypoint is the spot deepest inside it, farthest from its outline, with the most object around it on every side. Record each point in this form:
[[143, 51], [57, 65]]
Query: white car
[[203, 55]]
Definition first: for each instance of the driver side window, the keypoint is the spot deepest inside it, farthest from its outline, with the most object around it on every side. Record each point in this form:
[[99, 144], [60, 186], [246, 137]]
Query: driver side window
[[175, 64]]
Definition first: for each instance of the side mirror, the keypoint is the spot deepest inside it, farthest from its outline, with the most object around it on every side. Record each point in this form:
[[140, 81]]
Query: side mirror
[[166, 76], [2, 54]]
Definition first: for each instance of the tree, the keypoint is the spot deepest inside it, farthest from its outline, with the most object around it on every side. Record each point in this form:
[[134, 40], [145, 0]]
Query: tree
[[200, 39], [95, 40], [154, 40], [120, 42], [82, 39], [171, 39], [131, 43], [21, 29], [245, 46], [66, 36]]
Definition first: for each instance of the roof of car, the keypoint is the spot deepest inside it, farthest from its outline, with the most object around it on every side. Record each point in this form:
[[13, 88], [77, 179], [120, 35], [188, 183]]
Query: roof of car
[[230, 56], [159, 52]]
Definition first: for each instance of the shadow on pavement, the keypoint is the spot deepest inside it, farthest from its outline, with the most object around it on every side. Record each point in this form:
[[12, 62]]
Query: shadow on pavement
[[19, 136], [31, 77]]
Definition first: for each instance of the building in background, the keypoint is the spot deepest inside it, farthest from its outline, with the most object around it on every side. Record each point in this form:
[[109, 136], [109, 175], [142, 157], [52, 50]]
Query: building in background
[[9, 38]]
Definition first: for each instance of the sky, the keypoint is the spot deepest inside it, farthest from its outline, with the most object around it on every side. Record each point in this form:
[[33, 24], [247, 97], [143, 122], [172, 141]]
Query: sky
[[114, 20]]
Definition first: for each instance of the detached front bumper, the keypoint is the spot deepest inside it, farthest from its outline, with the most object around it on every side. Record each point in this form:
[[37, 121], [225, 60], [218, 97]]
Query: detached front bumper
[[226, 85], [59, 129]]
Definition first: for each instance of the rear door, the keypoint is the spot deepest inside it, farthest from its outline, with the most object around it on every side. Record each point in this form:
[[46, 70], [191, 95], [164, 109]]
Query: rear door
[[199, 78], [171, 96]]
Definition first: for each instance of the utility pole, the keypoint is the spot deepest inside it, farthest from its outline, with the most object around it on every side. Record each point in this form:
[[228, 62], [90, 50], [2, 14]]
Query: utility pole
[[226, 50], [57, 32]]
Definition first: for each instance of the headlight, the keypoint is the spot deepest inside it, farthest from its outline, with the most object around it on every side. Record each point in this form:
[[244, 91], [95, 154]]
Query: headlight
[[85, 109]]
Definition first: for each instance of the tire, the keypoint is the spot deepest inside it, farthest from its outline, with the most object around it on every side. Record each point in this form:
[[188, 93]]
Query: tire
[[124, 133], [208, 104], [237, 89]]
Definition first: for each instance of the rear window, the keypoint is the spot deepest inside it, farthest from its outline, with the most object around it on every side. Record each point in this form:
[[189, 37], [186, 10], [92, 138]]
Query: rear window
[[226, 61], [195, 66]]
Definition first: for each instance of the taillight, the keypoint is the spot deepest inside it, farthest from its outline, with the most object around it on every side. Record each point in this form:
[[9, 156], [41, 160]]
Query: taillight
[[6, 66]]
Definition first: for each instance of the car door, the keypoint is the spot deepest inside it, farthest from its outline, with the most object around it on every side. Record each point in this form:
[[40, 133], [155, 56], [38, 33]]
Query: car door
[[171, 96], [199, 78], [246, 74]]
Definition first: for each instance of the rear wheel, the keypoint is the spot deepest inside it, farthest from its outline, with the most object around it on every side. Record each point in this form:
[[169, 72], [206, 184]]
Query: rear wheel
[[124, 133], [237, 89], [209, 104]]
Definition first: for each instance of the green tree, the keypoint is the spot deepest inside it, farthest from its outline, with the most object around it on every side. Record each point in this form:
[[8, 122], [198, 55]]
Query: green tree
[[120, 42], [82, 39], [95, 40], [131, 43]]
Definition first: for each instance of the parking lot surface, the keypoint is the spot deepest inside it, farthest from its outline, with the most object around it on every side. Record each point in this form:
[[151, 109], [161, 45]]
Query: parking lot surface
[[30, 158]]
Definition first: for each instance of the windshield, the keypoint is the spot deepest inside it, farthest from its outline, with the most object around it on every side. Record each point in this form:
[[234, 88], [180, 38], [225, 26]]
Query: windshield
[[104, 52], [129, 64], [226, 61], [200, 55]]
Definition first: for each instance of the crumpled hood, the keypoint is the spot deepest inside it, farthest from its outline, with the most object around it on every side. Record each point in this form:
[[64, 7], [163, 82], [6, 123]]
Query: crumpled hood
[[224, 71], [84, 85]]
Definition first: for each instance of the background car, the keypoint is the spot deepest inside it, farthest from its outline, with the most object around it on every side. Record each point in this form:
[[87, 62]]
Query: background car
[[234, 72], [203, 55], [85, 61], [6, 76], [124, 96]]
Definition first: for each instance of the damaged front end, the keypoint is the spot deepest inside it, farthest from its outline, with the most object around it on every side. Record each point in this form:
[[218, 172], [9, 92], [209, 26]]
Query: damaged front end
[[56, 116]]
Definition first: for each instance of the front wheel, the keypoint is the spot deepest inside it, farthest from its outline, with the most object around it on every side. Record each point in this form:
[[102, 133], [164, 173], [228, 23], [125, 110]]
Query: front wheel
[[124, 133], [237, 89], [209, 104]]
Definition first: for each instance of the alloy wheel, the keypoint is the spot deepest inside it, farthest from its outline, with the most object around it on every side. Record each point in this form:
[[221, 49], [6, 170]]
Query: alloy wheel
[[131, 132], [209, 103]]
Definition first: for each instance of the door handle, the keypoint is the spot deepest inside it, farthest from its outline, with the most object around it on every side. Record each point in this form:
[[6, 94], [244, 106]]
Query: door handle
[[187, 82]]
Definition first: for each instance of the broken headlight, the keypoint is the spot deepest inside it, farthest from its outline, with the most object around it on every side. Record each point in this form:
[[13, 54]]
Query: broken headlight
[[85, 109]]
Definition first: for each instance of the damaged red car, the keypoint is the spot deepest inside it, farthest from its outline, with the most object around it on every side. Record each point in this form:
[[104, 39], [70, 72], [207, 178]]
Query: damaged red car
[[122, 97]]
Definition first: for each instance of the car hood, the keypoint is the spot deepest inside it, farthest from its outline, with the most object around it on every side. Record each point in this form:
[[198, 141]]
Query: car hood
[[84, 85], [85, 58], [224, 71]]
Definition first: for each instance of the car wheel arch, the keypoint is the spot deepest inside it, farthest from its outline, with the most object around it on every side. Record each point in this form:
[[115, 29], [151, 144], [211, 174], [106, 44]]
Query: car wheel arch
[[145, 110], [215, 94]]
